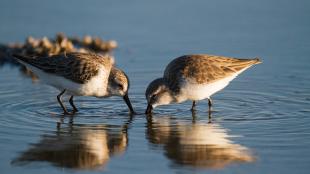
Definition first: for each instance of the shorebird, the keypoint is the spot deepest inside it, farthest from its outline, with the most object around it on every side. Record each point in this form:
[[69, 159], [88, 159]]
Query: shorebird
[[194, 77], [80, 74]]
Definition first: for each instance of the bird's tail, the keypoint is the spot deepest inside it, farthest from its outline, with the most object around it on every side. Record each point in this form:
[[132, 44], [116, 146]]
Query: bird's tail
[[256, 61], [23, 59], [20, 57]]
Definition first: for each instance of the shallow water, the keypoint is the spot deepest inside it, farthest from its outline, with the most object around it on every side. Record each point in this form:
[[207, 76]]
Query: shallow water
[[260, 122]]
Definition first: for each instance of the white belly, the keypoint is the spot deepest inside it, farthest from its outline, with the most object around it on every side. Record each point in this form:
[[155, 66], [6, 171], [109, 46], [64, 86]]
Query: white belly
[[193, 91], [97, 86]]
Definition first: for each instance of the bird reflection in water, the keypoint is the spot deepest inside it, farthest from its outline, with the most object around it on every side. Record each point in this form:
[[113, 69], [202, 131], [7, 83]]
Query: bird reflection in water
[[78, 146], [195, 144]]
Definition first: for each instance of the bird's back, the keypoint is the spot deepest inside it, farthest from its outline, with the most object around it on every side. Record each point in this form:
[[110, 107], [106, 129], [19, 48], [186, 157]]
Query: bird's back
[[77, 67], [204, 69]]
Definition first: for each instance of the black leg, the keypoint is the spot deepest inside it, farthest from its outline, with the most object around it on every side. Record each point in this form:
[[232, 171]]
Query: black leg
[[193, 116], [72, 104], [193, 105], [60, 102], [210, 105], [209, 114]]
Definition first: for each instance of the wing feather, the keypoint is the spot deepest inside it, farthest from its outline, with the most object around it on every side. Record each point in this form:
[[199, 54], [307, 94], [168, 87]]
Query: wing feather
[[202, 69], [78, 67]]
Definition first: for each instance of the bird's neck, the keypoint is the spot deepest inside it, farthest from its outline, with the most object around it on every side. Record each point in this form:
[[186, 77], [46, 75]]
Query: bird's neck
[[179, 98]]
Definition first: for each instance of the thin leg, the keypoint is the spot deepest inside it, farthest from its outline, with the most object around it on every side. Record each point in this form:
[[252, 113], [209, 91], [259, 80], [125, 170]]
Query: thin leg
[[193, 105], [72, 104], [193, 116], [210, 105], [210, 116], [60, 102]]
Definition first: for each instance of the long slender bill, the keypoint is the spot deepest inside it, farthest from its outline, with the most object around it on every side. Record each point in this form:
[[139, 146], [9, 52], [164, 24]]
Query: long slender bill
[[127, 101], [149, 109]]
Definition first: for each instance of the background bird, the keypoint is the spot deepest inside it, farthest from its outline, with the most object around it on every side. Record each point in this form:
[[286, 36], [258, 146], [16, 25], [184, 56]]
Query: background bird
[[194, 77], [80, 74]]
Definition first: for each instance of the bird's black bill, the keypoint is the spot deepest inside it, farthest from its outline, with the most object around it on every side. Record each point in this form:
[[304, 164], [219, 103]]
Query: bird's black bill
[[127, 101], [149, 109]]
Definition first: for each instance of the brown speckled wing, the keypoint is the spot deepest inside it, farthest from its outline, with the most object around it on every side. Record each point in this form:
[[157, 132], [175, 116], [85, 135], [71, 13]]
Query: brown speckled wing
[[78, 67], [203, 69]]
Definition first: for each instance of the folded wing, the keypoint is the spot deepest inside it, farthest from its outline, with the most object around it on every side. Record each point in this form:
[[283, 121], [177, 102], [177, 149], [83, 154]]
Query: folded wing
[[202, 69], [78, 67]]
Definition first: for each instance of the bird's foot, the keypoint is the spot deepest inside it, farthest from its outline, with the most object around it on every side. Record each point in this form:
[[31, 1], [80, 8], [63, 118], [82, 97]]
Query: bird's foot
[[69, 113]]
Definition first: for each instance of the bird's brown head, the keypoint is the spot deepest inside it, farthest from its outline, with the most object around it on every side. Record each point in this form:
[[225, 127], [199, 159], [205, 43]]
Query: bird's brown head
[[119, 85], [157, 93]]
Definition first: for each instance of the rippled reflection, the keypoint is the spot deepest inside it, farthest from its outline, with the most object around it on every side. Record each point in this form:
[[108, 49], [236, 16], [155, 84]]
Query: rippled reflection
[[201, 145], [78, 146]]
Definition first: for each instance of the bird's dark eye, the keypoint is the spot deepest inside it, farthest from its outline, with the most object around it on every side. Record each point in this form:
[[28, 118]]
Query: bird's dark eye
[[120, 86], [153, 96]]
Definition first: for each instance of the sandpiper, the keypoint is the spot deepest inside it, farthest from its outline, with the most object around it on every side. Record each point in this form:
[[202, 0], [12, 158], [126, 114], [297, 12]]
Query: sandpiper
[[80, 74], [194, 77]]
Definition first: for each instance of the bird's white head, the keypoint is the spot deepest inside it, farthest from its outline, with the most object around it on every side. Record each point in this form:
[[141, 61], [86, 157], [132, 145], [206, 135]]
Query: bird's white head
[[158, 93], [119, 85]]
